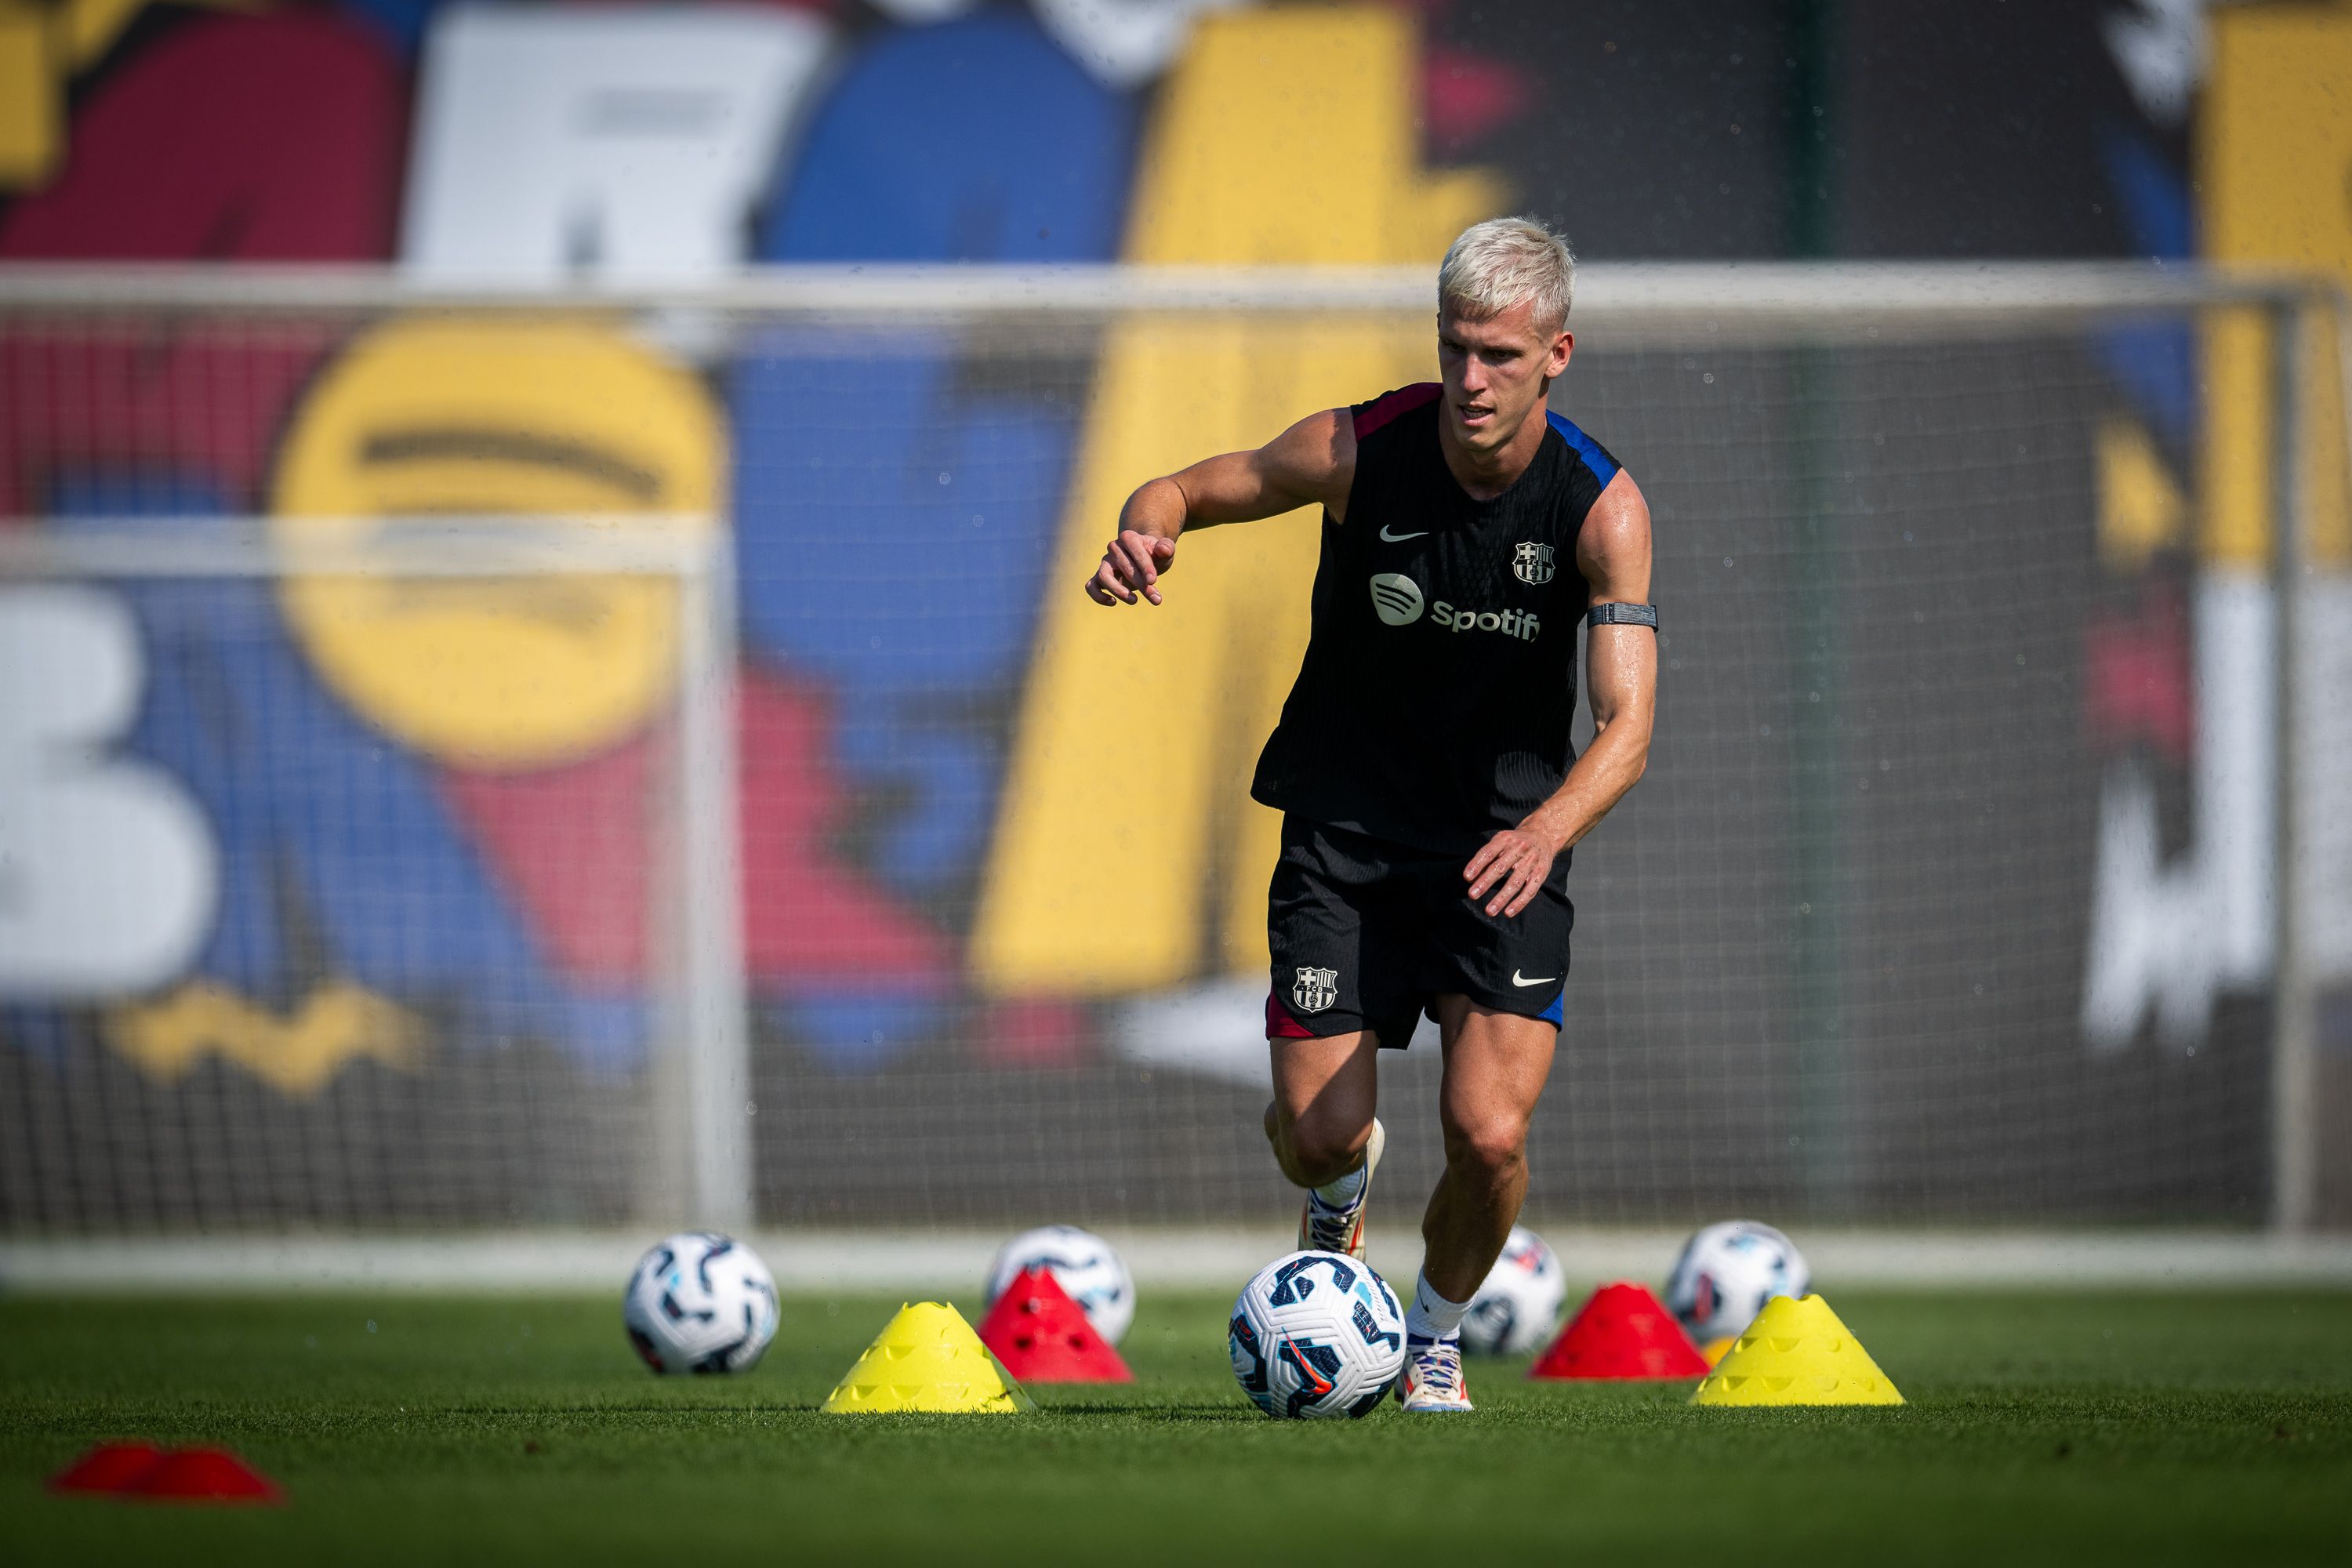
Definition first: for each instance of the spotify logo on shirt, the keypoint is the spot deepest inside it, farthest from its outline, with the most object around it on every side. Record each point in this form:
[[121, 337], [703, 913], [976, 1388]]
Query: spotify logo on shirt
[[1396, 598]]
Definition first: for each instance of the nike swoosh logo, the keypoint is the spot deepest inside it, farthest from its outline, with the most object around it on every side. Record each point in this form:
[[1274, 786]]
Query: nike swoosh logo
[[1519, 979], [1400, 538]]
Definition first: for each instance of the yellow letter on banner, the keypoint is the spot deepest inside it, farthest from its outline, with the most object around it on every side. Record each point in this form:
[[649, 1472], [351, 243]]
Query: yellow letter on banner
[[2274, 148], [1128, 856], [32, 97]]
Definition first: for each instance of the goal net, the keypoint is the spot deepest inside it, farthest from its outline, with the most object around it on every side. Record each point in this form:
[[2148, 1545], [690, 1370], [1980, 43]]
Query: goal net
[[479, 759]]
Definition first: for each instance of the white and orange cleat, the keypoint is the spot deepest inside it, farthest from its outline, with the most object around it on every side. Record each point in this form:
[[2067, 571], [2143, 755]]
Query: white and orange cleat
[[1432, 1381], [1325, 1226]]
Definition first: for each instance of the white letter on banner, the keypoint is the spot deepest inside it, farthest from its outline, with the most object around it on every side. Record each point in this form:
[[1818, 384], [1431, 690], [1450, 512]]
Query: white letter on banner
[[2171, 937], [108, 875], [627, 143]]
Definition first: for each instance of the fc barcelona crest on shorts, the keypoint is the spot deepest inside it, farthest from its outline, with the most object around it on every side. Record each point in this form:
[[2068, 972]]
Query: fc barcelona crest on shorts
[[1314, 989], [1533, 563]]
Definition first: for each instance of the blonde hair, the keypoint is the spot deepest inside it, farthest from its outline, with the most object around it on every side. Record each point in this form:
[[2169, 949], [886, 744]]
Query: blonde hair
[[1495, 265]]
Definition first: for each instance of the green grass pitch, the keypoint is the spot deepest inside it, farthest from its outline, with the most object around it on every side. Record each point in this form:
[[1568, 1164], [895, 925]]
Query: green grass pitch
[[2042, 1428]]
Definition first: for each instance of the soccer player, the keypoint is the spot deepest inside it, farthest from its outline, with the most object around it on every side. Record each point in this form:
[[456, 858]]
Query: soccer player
[[1430, 795]]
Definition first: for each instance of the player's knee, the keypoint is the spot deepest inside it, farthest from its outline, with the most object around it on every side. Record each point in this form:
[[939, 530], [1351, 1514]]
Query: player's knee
[[1486, 1147], [1326, 1139]]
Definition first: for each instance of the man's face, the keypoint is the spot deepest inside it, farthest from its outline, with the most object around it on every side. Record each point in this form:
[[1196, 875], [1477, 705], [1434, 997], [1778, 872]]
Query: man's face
[[1496, 370]]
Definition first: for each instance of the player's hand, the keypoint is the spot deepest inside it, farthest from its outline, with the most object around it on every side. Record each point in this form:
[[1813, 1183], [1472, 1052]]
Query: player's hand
[[1131, 566], [1512, 864]]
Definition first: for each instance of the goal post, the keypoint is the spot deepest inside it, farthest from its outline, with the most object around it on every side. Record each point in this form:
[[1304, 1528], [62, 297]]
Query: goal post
[[637, 754], [694, 1159]]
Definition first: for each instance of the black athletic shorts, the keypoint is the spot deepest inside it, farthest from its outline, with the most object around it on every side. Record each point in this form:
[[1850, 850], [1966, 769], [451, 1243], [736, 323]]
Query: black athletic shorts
[[1366, 934]]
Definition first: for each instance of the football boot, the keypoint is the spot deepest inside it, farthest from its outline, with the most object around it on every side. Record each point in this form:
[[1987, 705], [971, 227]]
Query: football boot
[[1431, 1381]]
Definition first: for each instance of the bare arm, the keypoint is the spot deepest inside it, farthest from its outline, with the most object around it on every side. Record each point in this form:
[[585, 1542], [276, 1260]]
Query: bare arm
[[1621, 679], [1313, 461]]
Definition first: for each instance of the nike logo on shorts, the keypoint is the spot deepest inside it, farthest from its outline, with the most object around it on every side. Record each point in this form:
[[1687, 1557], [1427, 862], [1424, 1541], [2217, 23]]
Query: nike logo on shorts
[[1519, 979], [1400, 538]]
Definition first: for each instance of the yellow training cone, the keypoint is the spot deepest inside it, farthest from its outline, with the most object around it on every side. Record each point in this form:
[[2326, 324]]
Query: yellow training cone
[[1715, 1350], [1796, 1353], [928, 1359]]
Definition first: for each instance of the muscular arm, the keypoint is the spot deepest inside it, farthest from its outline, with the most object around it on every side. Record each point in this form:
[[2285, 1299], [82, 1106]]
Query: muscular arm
[[1612, 550], [1313, 461]]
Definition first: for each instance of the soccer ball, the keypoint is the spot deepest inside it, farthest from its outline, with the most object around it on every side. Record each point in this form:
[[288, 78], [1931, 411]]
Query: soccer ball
[[700, 1302], [1727, 1272], [1520, 1301], [1316, 1334], [1082, 1263]]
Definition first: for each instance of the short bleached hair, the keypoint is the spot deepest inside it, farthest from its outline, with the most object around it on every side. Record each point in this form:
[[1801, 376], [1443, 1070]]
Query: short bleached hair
[[1495, 265]]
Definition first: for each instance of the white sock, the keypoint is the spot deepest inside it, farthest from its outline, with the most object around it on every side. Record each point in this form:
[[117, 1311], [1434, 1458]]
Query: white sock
[[1341, 1191], [1431, 1316]]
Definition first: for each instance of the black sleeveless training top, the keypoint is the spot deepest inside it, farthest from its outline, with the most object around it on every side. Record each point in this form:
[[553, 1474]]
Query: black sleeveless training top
[[1434, 705]]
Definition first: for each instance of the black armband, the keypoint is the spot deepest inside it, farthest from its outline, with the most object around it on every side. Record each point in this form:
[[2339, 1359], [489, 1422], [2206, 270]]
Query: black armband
[[1623, 615]]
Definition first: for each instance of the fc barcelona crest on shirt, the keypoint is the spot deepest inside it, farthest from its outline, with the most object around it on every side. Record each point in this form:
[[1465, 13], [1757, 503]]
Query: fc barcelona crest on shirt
[[1533, 563], [1314, 989]]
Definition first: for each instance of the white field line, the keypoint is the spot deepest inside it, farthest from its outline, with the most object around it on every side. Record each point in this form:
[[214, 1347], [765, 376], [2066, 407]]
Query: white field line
[[956, 1261]]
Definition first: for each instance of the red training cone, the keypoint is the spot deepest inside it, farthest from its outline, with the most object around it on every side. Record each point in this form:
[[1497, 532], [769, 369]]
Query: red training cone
[[109, 1467], [1621, 1332], [1042, 1336], [207, 1475]]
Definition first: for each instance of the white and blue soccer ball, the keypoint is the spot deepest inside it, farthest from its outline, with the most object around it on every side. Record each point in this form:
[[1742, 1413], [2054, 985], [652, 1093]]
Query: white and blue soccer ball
[[1726, 1274], [1315, 1335], [701, 1303], [1083, 1264], [1519, 1306]]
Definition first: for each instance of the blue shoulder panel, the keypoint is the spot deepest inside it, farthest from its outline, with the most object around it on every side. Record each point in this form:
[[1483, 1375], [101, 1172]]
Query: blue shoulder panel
[[1603, 467]]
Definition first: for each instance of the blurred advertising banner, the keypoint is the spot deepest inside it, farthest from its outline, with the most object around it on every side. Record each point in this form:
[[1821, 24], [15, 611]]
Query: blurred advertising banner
[[344, 893]]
